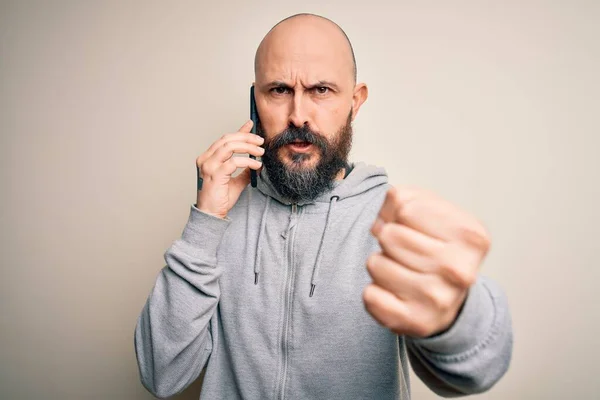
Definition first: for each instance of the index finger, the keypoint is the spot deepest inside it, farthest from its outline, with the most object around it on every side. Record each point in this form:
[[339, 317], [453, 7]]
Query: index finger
[[247, 127], [395, 201], [429, 214], [237, 137], [416, 209]]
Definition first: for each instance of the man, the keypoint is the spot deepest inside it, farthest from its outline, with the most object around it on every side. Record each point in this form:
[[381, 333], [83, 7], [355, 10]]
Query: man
[[323, 282]]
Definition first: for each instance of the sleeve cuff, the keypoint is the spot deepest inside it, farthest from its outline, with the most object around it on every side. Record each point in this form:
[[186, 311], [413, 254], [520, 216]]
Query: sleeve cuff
[[471, 327], [204, 230]]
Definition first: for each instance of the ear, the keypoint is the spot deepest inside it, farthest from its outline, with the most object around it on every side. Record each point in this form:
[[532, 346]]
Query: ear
[[361, 92]]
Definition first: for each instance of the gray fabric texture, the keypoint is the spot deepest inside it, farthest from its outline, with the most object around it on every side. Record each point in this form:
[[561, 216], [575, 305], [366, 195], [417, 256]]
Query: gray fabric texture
[[269, 301]]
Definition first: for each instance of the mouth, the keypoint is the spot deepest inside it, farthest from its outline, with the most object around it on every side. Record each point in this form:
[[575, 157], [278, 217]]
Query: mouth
[[299, 146]]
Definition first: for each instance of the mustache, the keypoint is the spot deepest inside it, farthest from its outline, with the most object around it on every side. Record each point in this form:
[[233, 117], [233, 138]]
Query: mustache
[[293, 133]]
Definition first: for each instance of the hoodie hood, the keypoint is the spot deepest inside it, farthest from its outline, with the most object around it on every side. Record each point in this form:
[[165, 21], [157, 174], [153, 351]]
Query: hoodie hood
[[361, 179]]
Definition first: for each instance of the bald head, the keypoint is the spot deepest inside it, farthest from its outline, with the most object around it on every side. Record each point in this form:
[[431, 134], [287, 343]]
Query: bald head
[[305, 36]]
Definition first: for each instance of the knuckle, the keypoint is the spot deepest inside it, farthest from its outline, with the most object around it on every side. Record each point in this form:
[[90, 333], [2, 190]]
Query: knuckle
[[402, 212], [486, 242], [442, 300], [463, 277], [476, 238], [405, 209], [204, 170], [390, 233], [469, 276], [384, 231]]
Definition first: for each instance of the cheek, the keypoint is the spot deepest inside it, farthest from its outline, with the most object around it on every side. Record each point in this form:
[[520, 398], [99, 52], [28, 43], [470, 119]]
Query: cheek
[[273, 119], [330, 119]]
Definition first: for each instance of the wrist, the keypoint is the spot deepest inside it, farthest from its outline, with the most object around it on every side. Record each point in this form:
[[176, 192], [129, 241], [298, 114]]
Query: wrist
[[209, 212]]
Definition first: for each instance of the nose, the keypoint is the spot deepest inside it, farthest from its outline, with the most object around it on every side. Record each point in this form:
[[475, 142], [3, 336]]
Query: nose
[[298, 115]]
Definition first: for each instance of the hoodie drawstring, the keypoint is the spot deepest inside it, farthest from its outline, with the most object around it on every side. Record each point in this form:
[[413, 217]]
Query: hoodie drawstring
[[316, 268], [315, 275], [263, 223]]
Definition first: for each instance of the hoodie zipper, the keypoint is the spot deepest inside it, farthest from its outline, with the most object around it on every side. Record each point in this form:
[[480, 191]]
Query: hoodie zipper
[[287, 310]]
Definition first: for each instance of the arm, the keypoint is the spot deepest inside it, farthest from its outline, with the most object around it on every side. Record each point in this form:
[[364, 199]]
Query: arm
[[426, 287], [474, 353], [172, 337]]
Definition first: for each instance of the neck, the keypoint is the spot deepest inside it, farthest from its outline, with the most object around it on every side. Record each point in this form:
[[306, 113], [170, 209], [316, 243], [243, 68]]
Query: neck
[[343, 172]]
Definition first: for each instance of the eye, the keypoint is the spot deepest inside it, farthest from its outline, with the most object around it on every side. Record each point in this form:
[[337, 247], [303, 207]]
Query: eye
[[322, 89], [279, 90]]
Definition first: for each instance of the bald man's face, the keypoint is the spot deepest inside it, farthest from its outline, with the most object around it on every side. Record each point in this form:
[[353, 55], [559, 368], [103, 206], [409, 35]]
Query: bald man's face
[[305, 79]]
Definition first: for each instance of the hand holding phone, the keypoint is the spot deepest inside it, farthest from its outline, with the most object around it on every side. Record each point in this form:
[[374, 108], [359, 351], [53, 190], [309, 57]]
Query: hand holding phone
[[218, 190]]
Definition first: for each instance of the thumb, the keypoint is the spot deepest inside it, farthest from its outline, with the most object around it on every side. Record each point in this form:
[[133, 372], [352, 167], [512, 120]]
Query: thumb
[[247, 127]]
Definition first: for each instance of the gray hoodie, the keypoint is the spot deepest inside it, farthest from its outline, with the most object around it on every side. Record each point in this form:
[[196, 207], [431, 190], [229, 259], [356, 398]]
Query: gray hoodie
[[269, 300]]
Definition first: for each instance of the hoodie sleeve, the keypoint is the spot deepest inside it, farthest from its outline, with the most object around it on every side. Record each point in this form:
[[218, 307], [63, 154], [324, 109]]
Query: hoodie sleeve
[[474, 353], [172, 336]]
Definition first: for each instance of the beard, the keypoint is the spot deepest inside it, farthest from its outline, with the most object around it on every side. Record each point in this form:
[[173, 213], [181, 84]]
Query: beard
[[298, 182]]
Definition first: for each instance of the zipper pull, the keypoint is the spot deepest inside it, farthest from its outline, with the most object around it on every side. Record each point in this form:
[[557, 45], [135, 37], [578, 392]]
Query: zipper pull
[[293, 216], [293, 220]]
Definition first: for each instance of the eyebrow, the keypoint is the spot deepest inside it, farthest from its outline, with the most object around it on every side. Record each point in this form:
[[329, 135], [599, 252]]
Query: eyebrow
[[324, 83], [275, 84], [321, 83]]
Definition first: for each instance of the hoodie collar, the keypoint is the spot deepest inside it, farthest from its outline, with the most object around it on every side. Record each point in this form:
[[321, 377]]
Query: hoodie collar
[[361, 179]]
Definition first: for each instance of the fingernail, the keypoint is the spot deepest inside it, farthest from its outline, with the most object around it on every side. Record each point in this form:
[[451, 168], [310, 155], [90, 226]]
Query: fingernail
[[261, 139]]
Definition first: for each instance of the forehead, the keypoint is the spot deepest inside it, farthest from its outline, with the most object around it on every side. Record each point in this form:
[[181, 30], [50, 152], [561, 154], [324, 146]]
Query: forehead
[[304, 51]]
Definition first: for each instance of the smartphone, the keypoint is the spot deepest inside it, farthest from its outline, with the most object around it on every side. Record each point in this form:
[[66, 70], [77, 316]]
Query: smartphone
[[254, 118]]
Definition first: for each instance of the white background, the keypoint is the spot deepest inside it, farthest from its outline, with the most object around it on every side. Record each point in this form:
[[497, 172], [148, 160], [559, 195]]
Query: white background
[[104, 107]]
